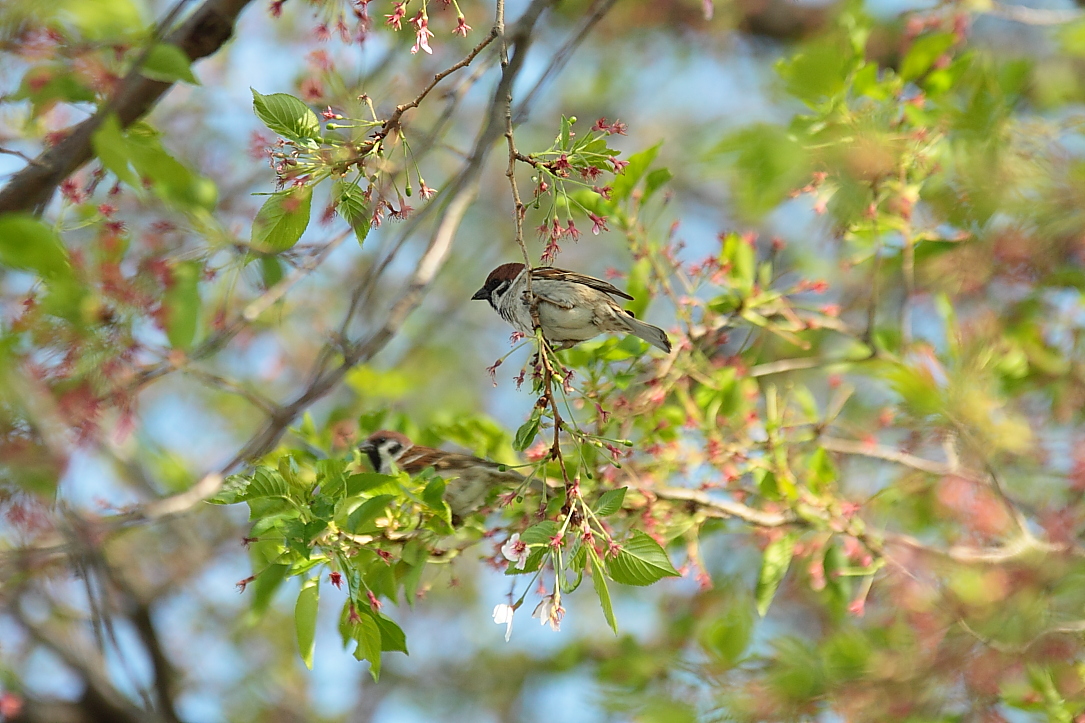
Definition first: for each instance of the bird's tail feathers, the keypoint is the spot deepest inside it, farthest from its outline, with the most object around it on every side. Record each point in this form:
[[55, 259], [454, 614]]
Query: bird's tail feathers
[[651, 334]]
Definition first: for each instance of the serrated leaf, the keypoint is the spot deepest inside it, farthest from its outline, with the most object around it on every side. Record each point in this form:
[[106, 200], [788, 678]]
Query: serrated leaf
[[169, 64], [282, 220], [371, 482], [610, 502], [232, 490], [368, 635], [267, 483], [624, 184], [774, 566], [362, 517], [182, 304], [640, 561], [29, 245], [351, 205], [527, 432], [284, 114], [599, 580], [540, 533], [305, 619], [393, 639]]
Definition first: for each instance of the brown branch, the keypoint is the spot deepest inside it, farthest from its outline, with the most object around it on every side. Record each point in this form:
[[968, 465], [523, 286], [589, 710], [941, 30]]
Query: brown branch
[[726, 508], [393, 123], [100, 692], [877, 451], [323, 381], [1018, 548], [203, 33]]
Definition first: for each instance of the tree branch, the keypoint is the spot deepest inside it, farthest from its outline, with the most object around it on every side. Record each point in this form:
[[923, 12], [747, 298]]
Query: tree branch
[[203, 33]]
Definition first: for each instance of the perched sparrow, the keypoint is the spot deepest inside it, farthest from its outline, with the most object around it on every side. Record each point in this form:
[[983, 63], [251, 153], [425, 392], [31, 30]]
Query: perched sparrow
[[572, 307], [470, 479]]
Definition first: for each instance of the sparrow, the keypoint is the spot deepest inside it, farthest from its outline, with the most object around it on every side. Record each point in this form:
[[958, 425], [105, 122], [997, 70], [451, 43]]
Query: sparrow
[[469, 478], [572, 307]]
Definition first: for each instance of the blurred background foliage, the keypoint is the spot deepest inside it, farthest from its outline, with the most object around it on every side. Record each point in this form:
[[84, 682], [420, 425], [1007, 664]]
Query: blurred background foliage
[[861, 224]]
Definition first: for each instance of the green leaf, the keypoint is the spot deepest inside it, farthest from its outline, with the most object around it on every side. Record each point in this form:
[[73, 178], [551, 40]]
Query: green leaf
[[169, 64], [599, 580], [741, 258], [352, 206], [924, 51], [638, 165], [111, 147], [610, 502], [393, 639], [45, 85], [305, 619], [769, 166], [284, 114], [271, 270], [232, 490], [819, 69], [434, 496], [170, 179], [265, 586], [539, 534], [282, 220], [822, 471], [640, 561], [728, 635], [654, 181], [368, 635], [525, 435], [104, 20], [369, 482], [773, 568], [182, 304], [267, 483], [566, 129], [362, 517], [29, 245]]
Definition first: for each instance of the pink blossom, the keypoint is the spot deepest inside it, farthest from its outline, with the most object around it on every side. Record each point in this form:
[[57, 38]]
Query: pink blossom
[[549, 610], [462, 28], [599, 223], [423, 33], [503, 616], [396, 18], [515, 551]]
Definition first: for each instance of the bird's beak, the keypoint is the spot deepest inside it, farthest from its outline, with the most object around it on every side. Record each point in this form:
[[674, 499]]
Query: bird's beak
[[481, 295], [366, 447]]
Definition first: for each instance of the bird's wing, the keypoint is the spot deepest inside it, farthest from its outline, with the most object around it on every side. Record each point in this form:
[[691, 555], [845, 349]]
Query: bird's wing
[[450, 463], [552, 274]]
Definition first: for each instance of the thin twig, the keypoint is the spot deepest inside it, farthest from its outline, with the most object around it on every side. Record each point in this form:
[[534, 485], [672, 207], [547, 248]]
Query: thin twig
[[392, 125]]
